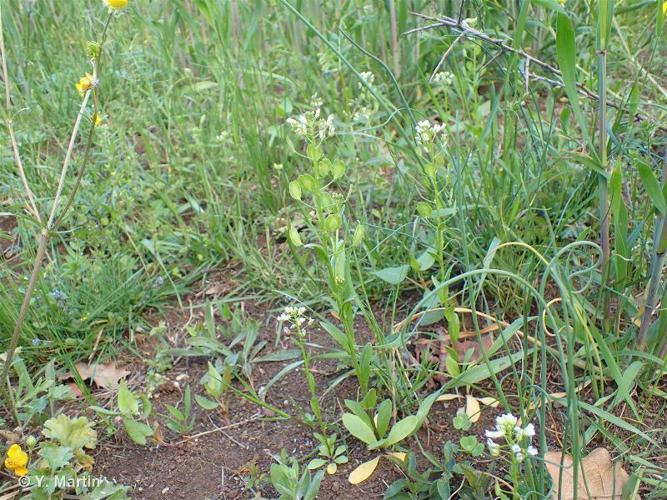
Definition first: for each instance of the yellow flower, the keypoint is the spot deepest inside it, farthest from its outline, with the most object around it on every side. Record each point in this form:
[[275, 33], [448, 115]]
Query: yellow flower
[[116, 4], [17, 460], [664, 8], [85, 83], [97, 119]]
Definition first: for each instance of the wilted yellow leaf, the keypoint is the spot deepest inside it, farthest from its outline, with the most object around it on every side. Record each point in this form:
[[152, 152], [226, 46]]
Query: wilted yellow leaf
[[472, 408], [492, 402], [447, 397], [364, 471], [398, 455]]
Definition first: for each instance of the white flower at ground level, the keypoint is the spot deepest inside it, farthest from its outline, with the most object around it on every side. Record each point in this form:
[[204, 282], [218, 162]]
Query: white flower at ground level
[[494, 448], [495, 434]]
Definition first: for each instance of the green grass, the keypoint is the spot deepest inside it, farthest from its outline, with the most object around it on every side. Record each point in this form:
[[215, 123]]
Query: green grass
[[183, 180]]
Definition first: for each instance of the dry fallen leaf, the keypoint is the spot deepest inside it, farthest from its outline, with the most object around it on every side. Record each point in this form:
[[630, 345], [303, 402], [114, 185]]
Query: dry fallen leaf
[[106, 375], [598, 478], [472, 408], [492, 402]]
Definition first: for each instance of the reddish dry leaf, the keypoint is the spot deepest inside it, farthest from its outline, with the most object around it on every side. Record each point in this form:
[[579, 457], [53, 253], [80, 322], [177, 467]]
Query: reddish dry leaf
[[599, 478], [106, 376]]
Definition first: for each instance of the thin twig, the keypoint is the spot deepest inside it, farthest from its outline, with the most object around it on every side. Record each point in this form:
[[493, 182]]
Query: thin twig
[[466, 30], [444, 57]]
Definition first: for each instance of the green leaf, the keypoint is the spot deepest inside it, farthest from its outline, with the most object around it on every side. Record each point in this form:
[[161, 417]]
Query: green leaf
[[652, 187], [468, 443], [128, 403], [358, 428], [402, 429], [383, 417], [393, 275], [316, 463], [205, 403], [614, 420], [214, 383], [137, 431], [566, 54], [550, 4], [425, 260], [56, 456], [293, 235], [75, 433]]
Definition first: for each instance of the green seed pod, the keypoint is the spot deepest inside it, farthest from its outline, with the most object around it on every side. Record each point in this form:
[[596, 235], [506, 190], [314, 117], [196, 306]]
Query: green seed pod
[[332, 222], [359, 234], [295, 190], [424, 209], [338, 169], [307, 183]]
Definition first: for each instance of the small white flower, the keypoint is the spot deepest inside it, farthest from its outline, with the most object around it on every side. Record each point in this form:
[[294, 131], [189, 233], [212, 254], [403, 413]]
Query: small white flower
[[532, 451], [299, 125], [507, 422], [427, 132], [326, 128], [443, 78], [283, 317], [499, 433], [518, 452], [367, 77], [528, 431], [494, 448]]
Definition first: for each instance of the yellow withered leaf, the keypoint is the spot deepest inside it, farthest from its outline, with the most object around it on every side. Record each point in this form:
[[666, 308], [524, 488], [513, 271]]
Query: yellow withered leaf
[[472, 408], [492, 402], [398, 455], [447, 397], [364, 471]]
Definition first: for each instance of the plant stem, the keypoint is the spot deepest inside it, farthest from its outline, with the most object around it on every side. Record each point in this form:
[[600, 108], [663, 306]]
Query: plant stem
[[52, 222], [603, 183], [657, 262], [32, 206]]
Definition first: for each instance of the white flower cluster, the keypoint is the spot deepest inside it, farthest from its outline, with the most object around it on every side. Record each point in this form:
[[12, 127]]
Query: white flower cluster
[[367, 77], [443, 78], [296, 317], [427, 132], [517, 438], [310, 124]]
